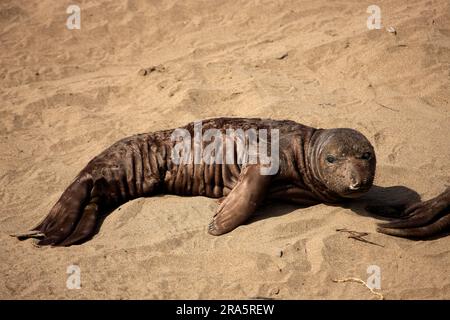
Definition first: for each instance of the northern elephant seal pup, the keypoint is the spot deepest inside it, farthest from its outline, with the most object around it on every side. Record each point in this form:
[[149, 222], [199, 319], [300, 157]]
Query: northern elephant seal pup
[[307, 166]]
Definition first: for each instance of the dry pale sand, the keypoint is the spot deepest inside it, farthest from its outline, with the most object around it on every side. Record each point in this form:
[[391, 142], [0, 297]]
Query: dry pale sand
[[68, 94]]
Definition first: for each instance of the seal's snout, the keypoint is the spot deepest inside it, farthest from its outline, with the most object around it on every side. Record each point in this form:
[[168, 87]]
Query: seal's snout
[[355, 181], [355, 186]]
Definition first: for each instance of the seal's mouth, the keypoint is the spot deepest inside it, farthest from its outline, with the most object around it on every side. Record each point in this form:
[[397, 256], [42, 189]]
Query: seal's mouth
[[355, 192]]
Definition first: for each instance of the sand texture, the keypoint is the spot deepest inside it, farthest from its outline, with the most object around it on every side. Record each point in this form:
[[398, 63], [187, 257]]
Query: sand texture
[[68, 94]]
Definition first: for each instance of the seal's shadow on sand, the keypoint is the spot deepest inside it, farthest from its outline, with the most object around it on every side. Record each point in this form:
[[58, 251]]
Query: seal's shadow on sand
[[384, 203]]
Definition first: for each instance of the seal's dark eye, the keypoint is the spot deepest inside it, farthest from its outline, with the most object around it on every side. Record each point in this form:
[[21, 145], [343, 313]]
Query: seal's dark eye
[[330, 159], [366, 156]]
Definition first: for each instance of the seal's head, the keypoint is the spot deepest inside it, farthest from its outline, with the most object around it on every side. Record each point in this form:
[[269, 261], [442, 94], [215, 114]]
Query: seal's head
[[344, 161]]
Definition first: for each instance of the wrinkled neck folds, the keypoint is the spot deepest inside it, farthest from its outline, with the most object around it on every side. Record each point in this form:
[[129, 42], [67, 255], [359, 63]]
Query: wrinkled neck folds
[[316, 144]]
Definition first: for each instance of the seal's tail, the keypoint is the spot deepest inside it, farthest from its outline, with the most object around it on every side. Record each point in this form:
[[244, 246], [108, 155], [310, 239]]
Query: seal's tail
[[73, 218]]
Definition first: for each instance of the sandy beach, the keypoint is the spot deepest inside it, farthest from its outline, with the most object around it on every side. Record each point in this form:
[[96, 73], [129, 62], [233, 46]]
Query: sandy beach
[[66, 95]]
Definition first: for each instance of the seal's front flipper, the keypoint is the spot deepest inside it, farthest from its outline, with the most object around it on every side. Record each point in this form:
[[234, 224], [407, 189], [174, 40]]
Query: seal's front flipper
[[423, 220], [242, 201]]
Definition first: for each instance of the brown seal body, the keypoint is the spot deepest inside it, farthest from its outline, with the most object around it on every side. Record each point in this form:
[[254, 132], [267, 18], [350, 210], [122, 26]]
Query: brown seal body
[[315, 166]]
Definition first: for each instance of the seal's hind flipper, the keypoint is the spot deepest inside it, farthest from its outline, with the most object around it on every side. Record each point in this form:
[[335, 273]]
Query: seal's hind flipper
[[28, 234], [65, 214], [242, 201], [86, 225]]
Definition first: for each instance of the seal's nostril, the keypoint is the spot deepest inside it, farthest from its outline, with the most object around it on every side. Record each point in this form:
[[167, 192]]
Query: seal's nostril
[[355, 186]]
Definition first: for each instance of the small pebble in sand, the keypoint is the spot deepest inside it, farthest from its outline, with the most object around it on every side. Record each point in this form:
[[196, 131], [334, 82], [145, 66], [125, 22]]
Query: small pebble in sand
[[275, 291], [391, 30], [282, 56], [147, 71]]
